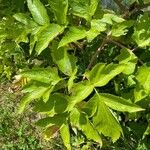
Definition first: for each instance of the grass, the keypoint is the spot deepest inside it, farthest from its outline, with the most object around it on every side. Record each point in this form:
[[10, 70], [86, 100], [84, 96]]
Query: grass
[[18, 132]]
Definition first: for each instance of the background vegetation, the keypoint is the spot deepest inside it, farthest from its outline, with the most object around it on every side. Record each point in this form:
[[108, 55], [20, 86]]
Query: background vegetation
[[83, 66]]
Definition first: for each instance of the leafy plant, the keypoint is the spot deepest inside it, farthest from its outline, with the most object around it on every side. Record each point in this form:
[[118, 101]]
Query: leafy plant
[[75, 89]]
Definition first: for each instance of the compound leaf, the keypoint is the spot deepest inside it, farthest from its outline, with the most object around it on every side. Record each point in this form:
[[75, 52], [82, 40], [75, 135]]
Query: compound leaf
[[105, 121], [81, 121]]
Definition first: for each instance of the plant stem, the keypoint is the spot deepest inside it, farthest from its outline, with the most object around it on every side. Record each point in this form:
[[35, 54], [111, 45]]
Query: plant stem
[[117, 43], [136, 9], [97, 53]]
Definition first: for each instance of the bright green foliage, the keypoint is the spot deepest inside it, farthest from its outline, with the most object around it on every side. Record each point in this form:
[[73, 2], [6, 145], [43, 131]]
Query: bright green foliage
[[79, 92], [36, 93], [25, 19], [121, 28], [81, 121], [57, 120], [111, 18], [49, 75], [101, 74], [65, 134], [38, 12], [90, 107], [142, 31], [65, 61], [84, 9], [97, 26], [57, 103], [143, 77], [62, 6], [71, 79], [46, 36], [104, 119], [118, 103], [81, 72], [139, 93], [142, 90], [72, 35], [147, 132], [129, 59]]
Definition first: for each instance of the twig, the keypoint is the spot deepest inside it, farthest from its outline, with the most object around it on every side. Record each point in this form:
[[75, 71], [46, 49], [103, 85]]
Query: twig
[[136, 9], [97, 53], [140, 61], [143, 6], [122, 46], [117, 43], [120, 5], [134, 49]]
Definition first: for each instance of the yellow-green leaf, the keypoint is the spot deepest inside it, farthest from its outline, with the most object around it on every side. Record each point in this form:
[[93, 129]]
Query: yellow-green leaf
[[38, 12], [72, 35], [105, 121], [46, 36]]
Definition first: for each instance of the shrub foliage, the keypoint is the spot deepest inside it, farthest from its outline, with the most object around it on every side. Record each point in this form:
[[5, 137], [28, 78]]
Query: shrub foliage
[[87, 68]]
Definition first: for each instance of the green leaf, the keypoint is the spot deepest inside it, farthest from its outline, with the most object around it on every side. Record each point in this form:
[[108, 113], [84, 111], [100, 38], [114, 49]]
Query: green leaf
[[71, 79], [36, 93], [139, 93], [58, 120], [84, 9], [65, 135], [45, 75], [79, 92], [81, 121], [50, 132], [143, 77], [72, 35], [38, 12], [31, 86], [111, 18], [120, 29], [93, 7], [57, 103], [59, 8], [34, 37], [90, 107], [142, 31], [46, 36], [105, 121], [147, 132], [119, 103], [25, 19], [97, 26], [46, 95], [101, 74], [64, 61], [127, 57]]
